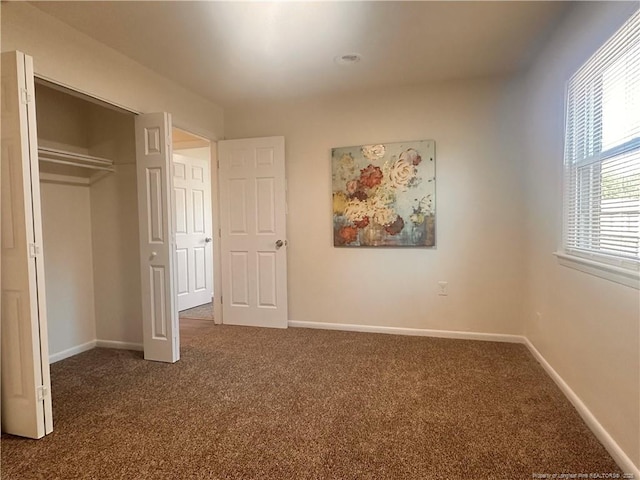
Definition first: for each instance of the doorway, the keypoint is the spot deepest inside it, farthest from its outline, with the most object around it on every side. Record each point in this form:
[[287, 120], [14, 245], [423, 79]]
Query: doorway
[[193, 208], [87, 173]]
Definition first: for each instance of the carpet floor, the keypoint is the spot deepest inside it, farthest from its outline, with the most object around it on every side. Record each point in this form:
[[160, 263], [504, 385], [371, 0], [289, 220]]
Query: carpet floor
[[251, 403], [202, 312]]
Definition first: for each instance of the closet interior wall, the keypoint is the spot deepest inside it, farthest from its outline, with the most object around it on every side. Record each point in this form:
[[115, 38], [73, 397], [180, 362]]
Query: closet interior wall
[[90, 229]]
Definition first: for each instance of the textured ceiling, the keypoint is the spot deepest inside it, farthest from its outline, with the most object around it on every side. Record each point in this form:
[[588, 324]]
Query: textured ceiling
[[235, 52]]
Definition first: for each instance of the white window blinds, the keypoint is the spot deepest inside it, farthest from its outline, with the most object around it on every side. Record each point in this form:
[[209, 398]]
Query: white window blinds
[[602, 153]]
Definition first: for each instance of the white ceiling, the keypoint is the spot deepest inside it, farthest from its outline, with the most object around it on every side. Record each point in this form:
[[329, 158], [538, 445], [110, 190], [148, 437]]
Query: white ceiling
[[235, 52]]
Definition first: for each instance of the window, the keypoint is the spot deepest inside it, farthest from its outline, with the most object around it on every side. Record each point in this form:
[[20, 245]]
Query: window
[[602, 156]]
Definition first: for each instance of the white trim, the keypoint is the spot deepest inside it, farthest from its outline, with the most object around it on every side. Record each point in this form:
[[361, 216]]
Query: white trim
[[623, 276], [120, 345], [420, 332], [621, 458], [70, 352]]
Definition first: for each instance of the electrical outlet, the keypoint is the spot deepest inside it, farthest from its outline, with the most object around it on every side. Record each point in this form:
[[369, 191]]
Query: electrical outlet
[[443, 288]]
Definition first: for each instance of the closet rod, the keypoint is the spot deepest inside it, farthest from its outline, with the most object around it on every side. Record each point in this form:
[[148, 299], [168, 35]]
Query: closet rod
[[76, 164]]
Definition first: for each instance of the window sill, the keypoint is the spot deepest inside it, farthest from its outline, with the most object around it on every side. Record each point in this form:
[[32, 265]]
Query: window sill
[[624, 276]]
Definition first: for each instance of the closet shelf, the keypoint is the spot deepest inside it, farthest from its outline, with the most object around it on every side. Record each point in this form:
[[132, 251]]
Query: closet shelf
[[53, 155]]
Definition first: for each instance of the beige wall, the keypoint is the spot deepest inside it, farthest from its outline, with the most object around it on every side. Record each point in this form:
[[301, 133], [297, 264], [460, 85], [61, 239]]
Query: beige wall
[[479, 207], [66, 227], [589, 328], [73, 59], [116, 260], [114, 221], [66, 232], [61, 120]]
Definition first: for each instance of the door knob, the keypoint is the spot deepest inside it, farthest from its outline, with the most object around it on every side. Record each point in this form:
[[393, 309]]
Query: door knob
[[208, 239], [279, 244]]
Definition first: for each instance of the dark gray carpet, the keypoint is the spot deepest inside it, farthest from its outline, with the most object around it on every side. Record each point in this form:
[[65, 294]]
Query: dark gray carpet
[[250, 403]]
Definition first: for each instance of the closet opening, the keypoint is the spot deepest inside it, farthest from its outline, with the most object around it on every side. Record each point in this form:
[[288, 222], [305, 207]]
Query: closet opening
[[87, 162]]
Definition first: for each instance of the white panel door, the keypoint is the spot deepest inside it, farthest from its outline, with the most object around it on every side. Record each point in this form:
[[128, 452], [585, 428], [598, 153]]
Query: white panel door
[[253, 232], [192, 202], [26, 386], [157, 245]]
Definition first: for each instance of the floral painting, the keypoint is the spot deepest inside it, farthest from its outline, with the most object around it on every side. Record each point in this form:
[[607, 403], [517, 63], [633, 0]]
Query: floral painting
[[384, 195]]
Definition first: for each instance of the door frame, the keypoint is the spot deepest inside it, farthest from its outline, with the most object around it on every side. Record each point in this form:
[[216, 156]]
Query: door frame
[[215, 191]]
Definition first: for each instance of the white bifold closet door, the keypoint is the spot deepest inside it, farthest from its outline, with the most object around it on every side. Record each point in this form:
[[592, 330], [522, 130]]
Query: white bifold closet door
[[26, 385], [157, 237]]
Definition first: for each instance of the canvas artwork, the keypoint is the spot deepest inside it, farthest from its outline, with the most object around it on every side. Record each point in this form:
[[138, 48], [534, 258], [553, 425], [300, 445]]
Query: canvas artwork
[[384, 195]]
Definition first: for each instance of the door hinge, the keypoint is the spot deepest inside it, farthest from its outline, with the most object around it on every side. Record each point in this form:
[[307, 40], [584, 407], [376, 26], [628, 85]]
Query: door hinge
[[221, 302], [34, 250], [42, 392], [25, 96]]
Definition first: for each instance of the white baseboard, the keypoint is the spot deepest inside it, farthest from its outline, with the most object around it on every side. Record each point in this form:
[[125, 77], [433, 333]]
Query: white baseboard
[[119, 345], [420, 332], [621, 458], [70, 352]]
